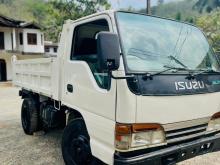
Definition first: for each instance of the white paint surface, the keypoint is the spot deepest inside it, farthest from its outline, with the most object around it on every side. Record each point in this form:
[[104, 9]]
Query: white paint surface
[[15, 42]]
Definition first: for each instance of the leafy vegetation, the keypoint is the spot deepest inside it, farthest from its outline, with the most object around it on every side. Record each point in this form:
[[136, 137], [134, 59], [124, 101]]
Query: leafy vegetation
[[210, 23], [50, 14]]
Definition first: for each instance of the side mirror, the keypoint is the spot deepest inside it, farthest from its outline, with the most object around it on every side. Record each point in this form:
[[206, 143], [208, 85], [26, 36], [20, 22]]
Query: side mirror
[[108, 50]]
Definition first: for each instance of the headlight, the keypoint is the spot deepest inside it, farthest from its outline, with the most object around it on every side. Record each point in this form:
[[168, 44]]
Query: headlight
[[139, 135], [214, 123]]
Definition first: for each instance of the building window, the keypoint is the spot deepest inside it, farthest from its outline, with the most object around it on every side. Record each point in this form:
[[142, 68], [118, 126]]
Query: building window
[[32, 38], [12, 42], [21, 38], [42, 39], [55, 49], [2, 41], [47, 49]]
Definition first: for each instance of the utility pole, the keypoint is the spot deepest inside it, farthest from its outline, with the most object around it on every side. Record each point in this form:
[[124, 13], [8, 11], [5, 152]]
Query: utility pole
[[118, 2], [148, 9]]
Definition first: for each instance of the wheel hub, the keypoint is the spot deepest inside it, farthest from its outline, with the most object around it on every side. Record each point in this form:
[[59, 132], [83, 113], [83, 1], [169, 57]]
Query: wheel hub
[[80, 150]]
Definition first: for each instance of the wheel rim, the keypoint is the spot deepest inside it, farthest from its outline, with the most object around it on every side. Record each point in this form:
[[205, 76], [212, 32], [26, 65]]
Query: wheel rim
[[25, 118], [79, 150]]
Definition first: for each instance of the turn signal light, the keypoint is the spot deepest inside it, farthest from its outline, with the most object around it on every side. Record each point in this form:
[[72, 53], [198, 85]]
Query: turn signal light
[[138, 135], [214, 123]]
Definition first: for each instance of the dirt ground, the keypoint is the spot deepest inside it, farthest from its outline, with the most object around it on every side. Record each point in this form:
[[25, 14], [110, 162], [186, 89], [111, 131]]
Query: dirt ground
[[16, 148]]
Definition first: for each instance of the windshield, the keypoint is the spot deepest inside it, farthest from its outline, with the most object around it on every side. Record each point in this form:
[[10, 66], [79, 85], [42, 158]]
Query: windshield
[[151, 44]]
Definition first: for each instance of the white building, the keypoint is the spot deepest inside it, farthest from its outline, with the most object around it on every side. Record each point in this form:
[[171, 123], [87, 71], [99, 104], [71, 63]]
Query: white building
[[25, 40], [50, 49]]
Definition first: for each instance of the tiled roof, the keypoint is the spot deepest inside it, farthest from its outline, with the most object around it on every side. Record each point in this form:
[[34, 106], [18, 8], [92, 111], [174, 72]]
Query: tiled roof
[[9, 22]]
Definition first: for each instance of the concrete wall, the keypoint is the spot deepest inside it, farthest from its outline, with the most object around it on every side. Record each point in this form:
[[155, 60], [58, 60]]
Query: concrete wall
[[29, 50], [51, 52], [39, 48], [7, 36]]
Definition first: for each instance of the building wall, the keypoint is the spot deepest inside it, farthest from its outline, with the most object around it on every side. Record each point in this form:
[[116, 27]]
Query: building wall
[[7, 37], [29, 50], [39, 48], [51, 51]]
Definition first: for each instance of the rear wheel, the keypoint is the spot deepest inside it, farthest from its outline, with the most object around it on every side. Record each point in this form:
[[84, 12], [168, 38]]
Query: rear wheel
[[75, 144], [29, 116]]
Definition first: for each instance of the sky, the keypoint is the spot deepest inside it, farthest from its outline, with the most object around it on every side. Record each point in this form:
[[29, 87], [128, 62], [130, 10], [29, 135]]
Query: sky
[[137, 4]]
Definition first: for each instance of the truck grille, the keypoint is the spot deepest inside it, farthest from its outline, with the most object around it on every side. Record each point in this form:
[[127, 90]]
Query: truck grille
[[185, 133], [185, 130]]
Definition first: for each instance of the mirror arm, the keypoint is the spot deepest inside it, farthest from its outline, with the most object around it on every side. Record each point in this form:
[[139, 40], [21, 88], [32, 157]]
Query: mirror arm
[[120, 78]]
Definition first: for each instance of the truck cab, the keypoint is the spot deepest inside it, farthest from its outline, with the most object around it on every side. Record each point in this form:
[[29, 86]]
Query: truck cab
[[136, 89]]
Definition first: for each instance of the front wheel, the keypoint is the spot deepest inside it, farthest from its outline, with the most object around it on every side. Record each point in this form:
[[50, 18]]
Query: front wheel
[[75, 144]]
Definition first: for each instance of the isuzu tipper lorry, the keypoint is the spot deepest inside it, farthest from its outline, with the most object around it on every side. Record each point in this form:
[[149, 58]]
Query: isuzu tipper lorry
[[127, 88]]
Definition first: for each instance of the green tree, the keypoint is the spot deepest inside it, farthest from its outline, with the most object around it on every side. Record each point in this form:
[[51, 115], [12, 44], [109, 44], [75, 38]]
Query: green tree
[[206, 5], [178, 16], [130, 9], [210, 24], [189, 19], [62, 10], [160, 2]]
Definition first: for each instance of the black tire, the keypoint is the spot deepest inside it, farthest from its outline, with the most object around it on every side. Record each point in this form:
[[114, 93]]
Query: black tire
[[75, 144], [29, 116]]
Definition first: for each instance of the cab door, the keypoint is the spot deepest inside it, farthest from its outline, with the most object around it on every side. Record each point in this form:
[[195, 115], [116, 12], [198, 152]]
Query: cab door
[[89, 89]]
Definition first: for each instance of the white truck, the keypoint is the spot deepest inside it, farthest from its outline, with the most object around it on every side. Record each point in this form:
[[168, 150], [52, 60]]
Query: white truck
[[128, 88]]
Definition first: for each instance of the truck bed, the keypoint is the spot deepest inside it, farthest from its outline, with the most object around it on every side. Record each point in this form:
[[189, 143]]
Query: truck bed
[[38, 75]]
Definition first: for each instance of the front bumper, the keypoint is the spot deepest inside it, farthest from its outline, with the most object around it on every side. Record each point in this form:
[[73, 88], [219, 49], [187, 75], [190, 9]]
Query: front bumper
[[173, 154]]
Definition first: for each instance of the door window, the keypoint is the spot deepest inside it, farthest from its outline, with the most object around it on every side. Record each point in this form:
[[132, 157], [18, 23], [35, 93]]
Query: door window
[[84, 48]]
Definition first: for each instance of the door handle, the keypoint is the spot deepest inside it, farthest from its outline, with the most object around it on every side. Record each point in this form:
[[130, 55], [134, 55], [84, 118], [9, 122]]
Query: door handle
[[70, 88]]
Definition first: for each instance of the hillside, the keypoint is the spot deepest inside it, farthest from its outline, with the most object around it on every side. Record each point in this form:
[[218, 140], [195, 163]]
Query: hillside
[[186, 10], [183, 10], [50, 14], [206, 5], [203, 13]]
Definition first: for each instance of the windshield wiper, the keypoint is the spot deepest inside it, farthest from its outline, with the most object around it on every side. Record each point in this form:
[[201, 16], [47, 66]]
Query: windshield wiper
[[191, 75], [177, 68], [184, 67], [190, 71], [148, 75], [209, 70], [177, 61], [168, 68]]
